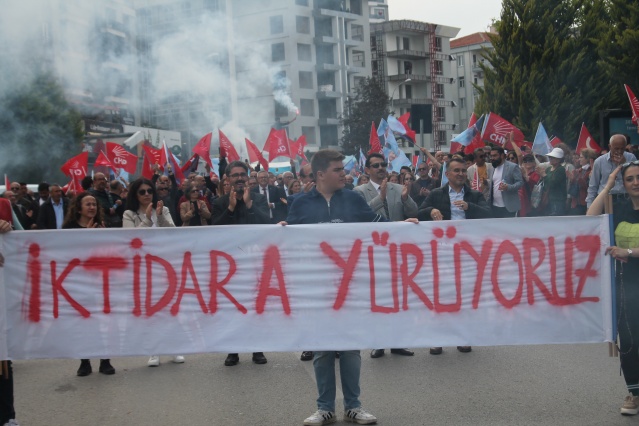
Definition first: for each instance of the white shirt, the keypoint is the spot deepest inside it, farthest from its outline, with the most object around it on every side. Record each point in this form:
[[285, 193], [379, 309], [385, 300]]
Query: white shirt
[[377, 187], [498, 172]]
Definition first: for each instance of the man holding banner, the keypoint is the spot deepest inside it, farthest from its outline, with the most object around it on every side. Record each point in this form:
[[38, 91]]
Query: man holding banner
[[328, 202]]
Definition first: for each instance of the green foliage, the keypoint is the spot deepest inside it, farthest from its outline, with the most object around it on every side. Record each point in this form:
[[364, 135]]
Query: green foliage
[[369, 104], [546, 67], [39, 129]]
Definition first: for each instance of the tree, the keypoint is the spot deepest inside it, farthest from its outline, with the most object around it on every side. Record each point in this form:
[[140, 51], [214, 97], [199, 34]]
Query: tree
[[545, 66], [369, 104], [39, 131], [619, 49]]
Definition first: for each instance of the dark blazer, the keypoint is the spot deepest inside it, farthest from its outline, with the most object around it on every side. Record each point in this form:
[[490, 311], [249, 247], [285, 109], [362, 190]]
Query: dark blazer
[[46, 216], [274, 196], [439, 199], [257, 214]]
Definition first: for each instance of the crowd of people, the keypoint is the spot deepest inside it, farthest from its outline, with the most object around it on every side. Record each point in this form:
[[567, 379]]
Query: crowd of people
[[443, 187]]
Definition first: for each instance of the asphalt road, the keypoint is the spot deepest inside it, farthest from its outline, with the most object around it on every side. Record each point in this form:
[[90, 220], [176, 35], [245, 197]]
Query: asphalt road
[[523, 385]]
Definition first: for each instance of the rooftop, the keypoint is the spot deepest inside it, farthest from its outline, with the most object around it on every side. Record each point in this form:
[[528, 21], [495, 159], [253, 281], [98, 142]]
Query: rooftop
[[469, 40]]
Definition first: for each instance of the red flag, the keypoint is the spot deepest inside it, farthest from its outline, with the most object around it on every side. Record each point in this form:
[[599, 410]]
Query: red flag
[[102, 160], [7, 182], [227, 149], [634, 104], [76, 168], [121, 158], [409, 132], [374, 142], [203, 148], [151, 156], [191, 165], [300, 144], [255, 154], [554, 141], [277, 143], [586, 141], [497, 129]]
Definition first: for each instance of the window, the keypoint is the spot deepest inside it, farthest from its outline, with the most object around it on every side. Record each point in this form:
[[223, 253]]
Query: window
[[358, 32], [304, 52], [379, 13], [303, 24], [442, 135], [439, 67], [277, 24], [307, 107], [441, 113], [309, 132], [306, 79], [408, 67], [475, 80], [406, 42], [439, 91], [460, 60], [462, 82], [474, 59], [358, 59], [438, 44], [277, 52], [301, 2], [462, 102], [409, 92]]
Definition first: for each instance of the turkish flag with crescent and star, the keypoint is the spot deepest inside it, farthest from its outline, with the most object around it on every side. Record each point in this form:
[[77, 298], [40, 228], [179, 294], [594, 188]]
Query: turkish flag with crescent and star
[[278, 146], [586, 141], [121, 158]]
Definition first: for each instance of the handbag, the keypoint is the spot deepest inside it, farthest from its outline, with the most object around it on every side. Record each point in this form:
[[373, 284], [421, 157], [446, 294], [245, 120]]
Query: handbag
[[537, 194]]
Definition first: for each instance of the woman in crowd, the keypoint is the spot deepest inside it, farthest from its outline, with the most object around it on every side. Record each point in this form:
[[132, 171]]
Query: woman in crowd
[[531, 178], [579, 180], [224, 186], [294, 187], [393, 178], [143, 210], [512, 157], [363, 180], [555, 187], [194, 212], [626, 255], [85, 213]]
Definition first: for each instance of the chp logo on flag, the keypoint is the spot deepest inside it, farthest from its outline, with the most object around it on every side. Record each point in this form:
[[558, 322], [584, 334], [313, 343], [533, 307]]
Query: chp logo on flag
[[77, 169], [119, 156]]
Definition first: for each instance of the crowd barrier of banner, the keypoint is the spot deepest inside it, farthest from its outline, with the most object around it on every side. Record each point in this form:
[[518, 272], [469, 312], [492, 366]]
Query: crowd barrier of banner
[[111, 292]]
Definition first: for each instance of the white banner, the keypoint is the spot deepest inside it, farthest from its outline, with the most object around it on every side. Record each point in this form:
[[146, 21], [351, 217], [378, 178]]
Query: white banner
[[109, 293]]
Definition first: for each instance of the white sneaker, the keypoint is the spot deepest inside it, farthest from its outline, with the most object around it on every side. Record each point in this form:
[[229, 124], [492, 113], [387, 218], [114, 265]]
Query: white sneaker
[[320, 417], [360, 416], [12, 422], [179, 359], [630, 406], [154, 361]]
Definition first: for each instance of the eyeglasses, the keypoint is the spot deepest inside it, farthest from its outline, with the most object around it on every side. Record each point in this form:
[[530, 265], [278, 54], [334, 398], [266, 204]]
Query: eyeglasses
[[99, 178], [163, 189], [422, 169], [145, 191], [15, 188], [238, 175], [378, 165]]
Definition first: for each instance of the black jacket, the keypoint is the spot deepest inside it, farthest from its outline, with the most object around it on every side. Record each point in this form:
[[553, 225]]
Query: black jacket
[[438, 199], [274, 196], [257, 214], [46, 216]]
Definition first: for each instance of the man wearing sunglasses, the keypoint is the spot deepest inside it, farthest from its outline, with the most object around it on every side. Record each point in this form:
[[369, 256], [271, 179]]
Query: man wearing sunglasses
[[483, 170], [389, 200]]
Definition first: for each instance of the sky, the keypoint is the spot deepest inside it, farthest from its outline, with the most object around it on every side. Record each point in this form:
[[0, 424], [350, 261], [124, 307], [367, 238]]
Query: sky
[[470, 15]]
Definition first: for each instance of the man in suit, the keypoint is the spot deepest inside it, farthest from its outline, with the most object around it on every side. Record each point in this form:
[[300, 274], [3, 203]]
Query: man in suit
[[276, 209], [240, 207], [53, 210], [505, 181], [454, 201], [483, 169], [389, 200]]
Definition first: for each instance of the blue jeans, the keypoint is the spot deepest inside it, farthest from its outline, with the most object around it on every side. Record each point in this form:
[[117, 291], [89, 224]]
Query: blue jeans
[[350, 363]]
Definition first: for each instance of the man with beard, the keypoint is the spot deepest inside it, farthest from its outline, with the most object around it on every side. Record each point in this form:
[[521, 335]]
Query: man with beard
[[505, 181], [483, 170], [240, 207]]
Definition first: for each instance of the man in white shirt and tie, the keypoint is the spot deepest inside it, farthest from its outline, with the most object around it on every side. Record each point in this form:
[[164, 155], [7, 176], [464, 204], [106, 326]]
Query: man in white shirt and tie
[[272, 196]]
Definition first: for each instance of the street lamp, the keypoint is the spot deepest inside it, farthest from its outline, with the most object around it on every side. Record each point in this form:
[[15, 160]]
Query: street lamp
[[393, 94]]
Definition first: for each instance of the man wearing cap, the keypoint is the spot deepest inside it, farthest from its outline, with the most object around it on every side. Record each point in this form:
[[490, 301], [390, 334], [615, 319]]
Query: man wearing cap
[[505, 181], [555, 183], [605, 164]]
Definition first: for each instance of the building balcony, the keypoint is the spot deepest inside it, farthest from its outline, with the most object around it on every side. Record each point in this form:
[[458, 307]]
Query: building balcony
[[325, 121], [402, 102], [325, 40], [476, 67], [327, 91], [356, 68], [323, 13], [327, 67], [415, 78], [408, 54]]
